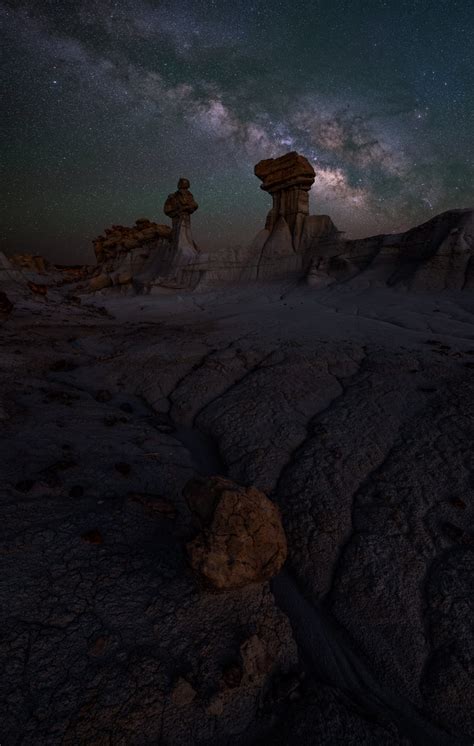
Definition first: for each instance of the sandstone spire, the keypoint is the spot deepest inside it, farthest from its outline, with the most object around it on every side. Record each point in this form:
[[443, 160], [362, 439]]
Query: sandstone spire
[[288, 179], [179, 206]]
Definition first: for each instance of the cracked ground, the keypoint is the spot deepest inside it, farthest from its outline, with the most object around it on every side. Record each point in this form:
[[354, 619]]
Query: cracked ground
[[352, 410]]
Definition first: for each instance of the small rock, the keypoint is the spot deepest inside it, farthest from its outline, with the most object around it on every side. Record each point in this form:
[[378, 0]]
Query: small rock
[[37, 289], [100, 282], [232, 676], [76, 491], [216, 705], [98, 647], [241, 540], [183, 693], [256, 661]]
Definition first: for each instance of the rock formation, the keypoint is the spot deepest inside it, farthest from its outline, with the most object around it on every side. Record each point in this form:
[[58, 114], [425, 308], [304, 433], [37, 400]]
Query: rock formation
[[288, 179], [33, 262], [124, 255], [179, 206], [120, 239], [436, 255], [283, 248], [241, 540]]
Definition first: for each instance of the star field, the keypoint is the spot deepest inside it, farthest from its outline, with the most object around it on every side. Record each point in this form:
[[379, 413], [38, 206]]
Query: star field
[[108, 104]]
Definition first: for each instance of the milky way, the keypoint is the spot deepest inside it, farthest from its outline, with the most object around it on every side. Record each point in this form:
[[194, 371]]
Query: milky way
[[109, 103]]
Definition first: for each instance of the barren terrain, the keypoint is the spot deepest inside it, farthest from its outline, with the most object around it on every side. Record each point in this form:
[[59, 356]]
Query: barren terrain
[[353, 410]]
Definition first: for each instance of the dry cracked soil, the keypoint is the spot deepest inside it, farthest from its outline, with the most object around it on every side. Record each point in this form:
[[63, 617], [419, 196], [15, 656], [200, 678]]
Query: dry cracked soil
[[352, 410]]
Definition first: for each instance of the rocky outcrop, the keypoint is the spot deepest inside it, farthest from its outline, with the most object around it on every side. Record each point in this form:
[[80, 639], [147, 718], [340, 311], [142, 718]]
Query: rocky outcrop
[[130, 256], [31, 262], [436, 255], [149, 253], [120, 239], [241, 539]]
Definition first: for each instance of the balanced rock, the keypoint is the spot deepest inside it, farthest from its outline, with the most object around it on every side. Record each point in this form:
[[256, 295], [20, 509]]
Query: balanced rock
[[241, 539], [288, 179]]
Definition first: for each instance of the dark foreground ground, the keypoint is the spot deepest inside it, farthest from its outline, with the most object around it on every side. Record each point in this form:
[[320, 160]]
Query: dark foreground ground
[[353, 411]]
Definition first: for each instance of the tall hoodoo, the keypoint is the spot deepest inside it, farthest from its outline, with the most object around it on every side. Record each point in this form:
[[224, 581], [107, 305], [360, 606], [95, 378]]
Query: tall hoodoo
[[179, 206], [288, 179]]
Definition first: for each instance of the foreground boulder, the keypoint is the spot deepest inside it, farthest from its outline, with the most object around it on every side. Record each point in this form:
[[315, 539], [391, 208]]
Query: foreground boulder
[[241, 540]]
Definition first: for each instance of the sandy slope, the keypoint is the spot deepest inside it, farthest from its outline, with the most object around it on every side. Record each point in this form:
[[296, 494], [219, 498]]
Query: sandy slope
[[354, 410]]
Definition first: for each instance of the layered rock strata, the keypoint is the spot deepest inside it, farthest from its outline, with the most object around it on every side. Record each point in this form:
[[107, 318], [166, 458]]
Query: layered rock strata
[[436, 255]]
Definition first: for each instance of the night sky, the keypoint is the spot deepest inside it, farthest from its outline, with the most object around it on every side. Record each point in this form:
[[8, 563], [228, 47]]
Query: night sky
[[108, 103]]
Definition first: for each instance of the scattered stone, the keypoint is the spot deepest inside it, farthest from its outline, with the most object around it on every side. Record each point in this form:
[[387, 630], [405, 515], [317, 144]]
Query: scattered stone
[[37, 289], [183, 693], [98, 647], [256, 661], [232, 676], [100, 282], [241, 540]]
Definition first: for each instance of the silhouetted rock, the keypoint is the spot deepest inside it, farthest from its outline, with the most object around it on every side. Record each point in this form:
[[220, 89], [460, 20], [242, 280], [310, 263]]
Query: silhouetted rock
[[242, 539], [179, 206], [288, 179]]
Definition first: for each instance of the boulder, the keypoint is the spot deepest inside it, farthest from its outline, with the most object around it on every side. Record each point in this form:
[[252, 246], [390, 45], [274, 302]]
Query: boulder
[[100, 282], [287, 171], [241, 538]]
